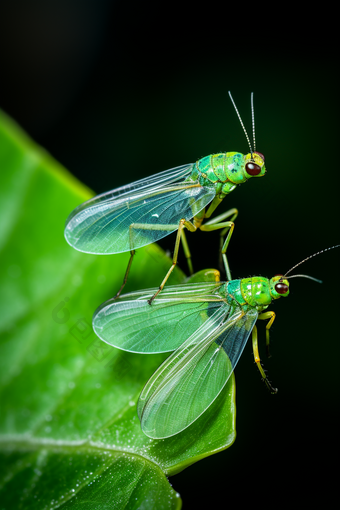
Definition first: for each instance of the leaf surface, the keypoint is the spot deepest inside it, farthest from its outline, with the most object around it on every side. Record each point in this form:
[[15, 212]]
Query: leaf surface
[[69, 432]]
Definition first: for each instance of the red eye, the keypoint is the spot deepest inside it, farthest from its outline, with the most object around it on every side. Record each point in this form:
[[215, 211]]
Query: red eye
[[253, 168], [281, 288], [259, 153]]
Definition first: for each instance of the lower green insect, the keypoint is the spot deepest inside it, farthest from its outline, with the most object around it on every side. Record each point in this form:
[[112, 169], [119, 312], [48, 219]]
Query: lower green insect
[[207, 324]]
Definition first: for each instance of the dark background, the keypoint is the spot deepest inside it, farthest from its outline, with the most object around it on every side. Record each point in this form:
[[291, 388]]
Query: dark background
[[117, 91]]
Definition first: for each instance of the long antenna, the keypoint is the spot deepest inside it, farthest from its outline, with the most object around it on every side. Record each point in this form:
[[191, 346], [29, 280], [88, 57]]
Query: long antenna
[[244, 129], [311, 256], [303, 276], [253, 118]]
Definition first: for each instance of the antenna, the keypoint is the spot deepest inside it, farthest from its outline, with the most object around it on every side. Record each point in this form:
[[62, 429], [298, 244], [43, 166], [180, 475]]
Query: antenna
[[244, 129], [307, 258], [253, 118], [303, 276]]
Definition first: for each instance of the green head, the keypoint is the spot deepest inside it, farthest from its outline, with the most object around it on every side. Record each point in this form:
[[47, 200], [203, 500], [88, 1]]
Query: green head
[[278, 286], [254, 165]]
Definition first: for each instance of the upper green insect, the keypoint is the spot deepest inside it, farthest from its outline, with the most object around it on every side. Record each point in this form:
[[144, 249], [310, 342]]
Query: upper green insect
[[143, 212]]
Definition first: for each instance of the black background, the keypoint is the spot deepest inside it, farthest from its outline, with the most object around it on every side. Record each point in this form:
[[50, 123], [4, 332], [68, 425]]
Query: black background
[[117, 91]]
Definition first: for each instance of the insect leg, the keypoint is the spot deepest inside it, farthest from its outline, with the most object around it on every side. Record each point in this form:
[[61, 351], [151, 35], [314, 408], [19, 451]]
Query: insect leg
[[187, 251], [265, 316], [258, 361], [183, 223], [214, 204], [132, 252], [226, 226]]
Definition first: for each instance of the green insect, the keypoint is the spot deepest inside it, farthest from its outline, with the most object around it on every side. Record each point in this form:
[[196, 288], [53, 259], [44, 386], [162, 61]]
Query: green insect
[[206, 324], [145, 211]]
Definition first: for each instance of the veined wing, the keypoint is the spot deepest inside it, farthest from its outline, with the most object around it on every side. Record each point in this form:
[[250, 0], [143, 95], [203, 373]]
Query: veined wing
[[138, 214], [191, 378], [169, 176], [131, 324]]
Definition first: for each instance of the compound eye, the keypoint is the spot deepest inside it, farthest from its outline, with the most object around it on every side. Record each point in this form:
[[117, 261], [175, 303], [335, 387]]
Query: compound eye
[[253, 168], [281, 288], [259, 154]]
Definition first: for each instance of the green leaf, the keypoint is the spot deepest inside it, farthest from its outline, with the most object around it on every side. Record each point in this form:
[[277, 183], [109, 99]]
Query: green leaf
[[69, 432]]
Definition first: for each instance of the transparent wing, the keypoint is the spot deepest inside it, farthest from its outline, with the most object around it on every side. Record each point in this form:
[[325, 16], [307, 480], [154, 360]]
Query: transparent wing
[[131, 324], [191, 378], [138, 214]]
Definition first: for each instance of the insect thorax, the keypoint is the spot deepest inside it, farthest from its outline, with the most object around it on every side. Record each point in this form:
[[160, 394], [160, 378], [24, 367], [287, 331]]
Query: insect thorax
[[256, 291], [222, 171]]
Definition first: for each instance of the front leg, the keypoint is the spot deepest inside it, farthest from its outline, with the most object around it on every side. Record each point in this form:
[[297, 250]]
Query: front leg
[[263, 317], [258, 360]]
